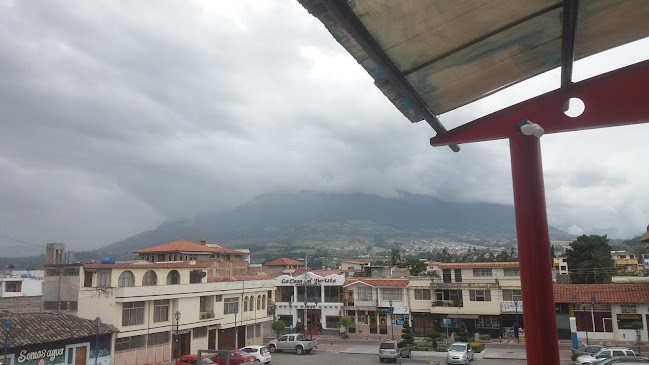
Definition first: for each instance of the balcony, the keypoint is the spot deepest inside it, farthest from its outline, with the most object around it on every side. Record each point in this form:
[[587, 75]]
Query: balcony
[[207, 315], [486, 283], [448, 303]]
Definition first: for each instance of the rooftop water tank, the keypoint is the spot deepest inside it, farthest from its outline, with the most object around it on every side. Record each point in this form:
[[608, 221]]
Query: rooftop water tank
[[108, 261]]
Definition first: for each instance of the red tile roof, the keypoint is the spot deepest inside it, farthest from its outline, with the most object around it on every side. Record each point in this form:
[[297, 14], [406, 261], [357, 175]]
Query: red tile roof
[[283, 262], [152, 265], [378, 282], [458, 265], [604, 293], [356, 262], [187, 246], [644, 238], [238, 278]]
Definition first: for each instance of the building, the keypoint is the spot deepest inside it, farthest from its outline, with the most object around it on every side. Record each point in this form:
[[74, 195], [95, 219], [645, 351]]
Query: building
[[353, 265], [625, 261], [141, 300], [645, 261], [560, 265], [421, 298], [320, 292], [282, 266], [56, 338], [21, 292], [605, 311], [376, 305]]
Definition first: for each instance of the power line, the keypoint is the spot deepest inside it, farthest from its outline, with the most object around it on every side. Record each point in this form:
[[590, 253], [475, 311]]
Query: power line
[[21, 241]]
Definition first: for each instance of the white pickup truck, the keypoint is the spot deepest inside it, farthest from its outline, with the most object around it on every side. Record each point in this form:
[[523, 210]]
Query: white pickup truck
[[293, 342]]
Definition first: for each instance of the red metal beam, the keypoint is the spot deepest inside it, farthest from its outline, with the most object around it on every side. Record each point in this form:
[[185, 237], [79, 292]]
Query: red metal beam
[[616, 98]]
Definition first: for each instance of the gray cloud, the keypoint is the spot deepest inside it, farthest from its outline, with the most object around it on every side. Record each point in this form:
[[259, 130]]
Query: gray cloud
[[116, 116]]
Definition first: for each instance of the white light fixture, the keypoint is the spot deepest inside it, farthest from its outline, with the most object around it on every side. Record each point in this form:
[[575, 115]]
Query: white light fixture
[[530, 129]]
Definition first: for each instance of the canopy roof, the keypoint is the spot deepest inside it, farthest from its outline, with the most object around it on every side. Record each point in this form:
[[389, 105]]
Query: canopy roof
[[431, 56]]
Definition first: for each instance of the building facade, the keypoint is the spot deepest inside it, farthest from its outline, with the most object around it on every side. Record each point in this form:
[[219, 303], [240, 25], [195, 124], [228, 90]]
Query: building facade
[[21, 292], [283, 266]]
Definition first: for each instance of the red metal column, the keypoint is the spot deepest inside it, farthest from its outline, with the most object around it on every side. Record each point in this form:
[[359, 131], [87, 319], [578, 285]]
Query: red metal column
[[539, 315]]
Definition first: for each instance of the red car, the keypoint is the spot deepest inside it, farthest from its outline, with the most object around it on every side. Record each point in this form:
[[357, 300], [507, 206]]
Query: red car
[[236, 357], [192, 360]]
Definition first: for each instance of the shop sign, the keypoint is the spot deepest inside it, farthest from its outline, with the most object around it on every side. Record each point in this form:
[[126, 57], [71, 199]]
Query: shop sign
[[41, 354], [510, 306]]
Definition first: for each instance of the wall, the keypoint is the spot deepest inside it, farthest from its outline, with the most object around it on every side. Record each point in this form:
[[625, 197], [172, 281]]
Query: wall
[[22, 304]]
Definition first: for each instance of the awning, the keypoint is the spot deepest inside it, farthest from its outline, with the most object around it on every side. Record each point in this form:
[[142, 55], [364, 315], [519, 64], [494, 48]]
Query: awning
[[463, 316]]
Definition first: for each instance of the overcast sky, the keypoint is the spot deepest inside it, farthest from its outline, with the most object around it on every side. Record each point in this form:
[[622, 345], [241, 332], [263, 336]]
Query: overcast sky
[[116, 116]]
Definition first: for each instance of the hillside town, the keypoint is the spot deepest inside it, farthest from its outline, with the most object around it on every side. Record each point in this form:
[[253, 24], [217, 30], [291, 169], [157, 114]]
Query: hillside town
[[183, 296]]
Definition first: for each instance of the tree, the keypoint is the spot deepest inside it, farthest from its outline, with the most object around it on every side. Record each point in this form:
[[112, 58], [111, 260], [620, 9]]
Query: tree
[[395, 256], [345, 322], [463, 333], [552, 253], [406, 333], [278, 326], [299, 327], [433, 337], [417, 267], [444, 256], [589, 260]]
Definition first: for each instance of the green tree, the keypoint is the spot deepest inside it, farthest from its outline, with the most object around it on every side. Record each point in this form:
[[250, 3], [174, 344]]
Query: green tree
[[406, 333], [444, 256], [417, 267], [590, 261], [346, 322], [433, 337], [463, 333], [552, 253], [503, 256], [395, 256], [278, 326]]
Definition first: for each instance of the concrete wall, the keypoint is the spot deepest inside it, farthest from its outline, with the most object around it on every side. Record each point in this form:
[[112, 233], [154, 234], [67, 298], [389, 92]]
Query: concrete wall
[[22, 304]]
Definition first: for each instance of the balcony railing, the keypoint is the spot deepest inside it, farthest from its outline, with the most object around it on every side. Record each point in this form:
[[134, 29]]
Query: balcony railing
[[207, 314], [448, 303]]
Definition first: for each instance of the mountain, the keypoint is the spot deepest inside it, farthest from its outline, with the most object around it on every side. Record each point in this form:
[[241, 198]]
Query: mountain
[[293, 218]]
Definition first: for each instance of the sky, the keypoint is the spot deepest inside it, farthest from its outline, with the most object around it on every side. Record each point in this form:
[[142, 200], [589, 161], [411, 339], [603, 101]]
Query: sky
[[116, 116]]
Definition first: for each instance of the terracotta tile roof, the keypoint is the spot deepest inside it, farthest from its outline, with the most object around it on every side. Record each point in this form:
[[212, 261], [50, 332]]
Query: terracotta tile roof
[[187, 246], [604, 293], [153, 265], [283, 262], [644, 238], [356, 262], [39, 328], [458, 265], [378, 282], [238, 278]]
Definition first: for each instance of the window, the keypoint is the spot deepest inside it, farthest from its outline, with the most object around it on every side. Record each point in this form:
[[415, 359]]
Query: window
[[250, 331], [284, 293], [203, 304], [218, 298], [71, 272], [132, 313], [624, 321], [458, 275], [422, 294], [126, 280], [130, 343], [332, 321], [512, 271], [363, 293], [333, 294], [150, 278], [263, 302], [200, 332], [161, 310], [480, 295], [361, 317], [245, 304], [229, 305], [173, 278], [13, 286], [482, 272], [52, 272], [446, 275], [160, 338], [392, 294], [510, 295], [628, 308], [258, 302], [103, 278]]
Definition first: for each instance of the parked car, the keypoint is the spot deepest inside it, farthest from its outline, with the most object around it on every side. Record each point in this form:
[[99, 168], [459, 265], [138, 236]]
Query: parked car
[[236, 357], [605, 353], [293, 342], [623, 360], [192, 360], [459, 353], [393, 350], [260, 352], [585, 350]]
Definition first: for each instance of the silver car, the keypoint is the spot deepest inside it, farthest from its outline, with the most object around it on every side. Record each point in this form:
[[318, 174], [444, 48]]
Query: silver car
[[393, 350], [459, 353]]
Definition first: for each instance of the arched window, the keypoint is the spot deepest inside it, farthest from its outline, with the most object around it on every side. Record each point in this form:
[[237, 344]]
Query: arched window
[[245, 304], [126, 280], [258, 302], [263, 302], [150, 278], [173, 277]]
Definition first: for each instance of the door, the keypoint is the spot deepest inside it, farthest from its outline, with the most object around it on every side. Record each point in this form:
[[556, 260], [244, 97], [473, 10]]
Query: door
[[372, 317], [350, 297], [241, 335], [211, 339], [226, 339], [383, 324], [80, 355]]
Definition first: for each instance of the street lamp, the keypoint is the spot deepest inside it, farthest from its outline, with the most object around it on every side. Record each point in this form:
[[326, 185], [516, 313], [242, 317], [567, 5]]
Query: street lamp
[[391, 319], [518, 339], [290, 313], [177, 347], [97, 323], [592, 311], [6, 327], [236, 310], [311, 320]]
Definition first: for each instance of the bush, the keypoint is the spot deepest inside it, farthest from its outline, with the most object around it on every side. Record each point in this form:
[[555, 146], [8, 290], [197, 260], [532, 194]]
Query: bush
[[441, 349], [477, 347], [406, 333], [463, 333], [485, 337], [433, 337], [278, 326], [420, 347]]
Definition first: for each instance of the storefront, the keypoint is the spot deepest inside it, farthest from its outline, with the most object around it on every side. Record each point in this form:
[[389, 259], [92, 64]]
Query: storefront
[[57, 339]]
